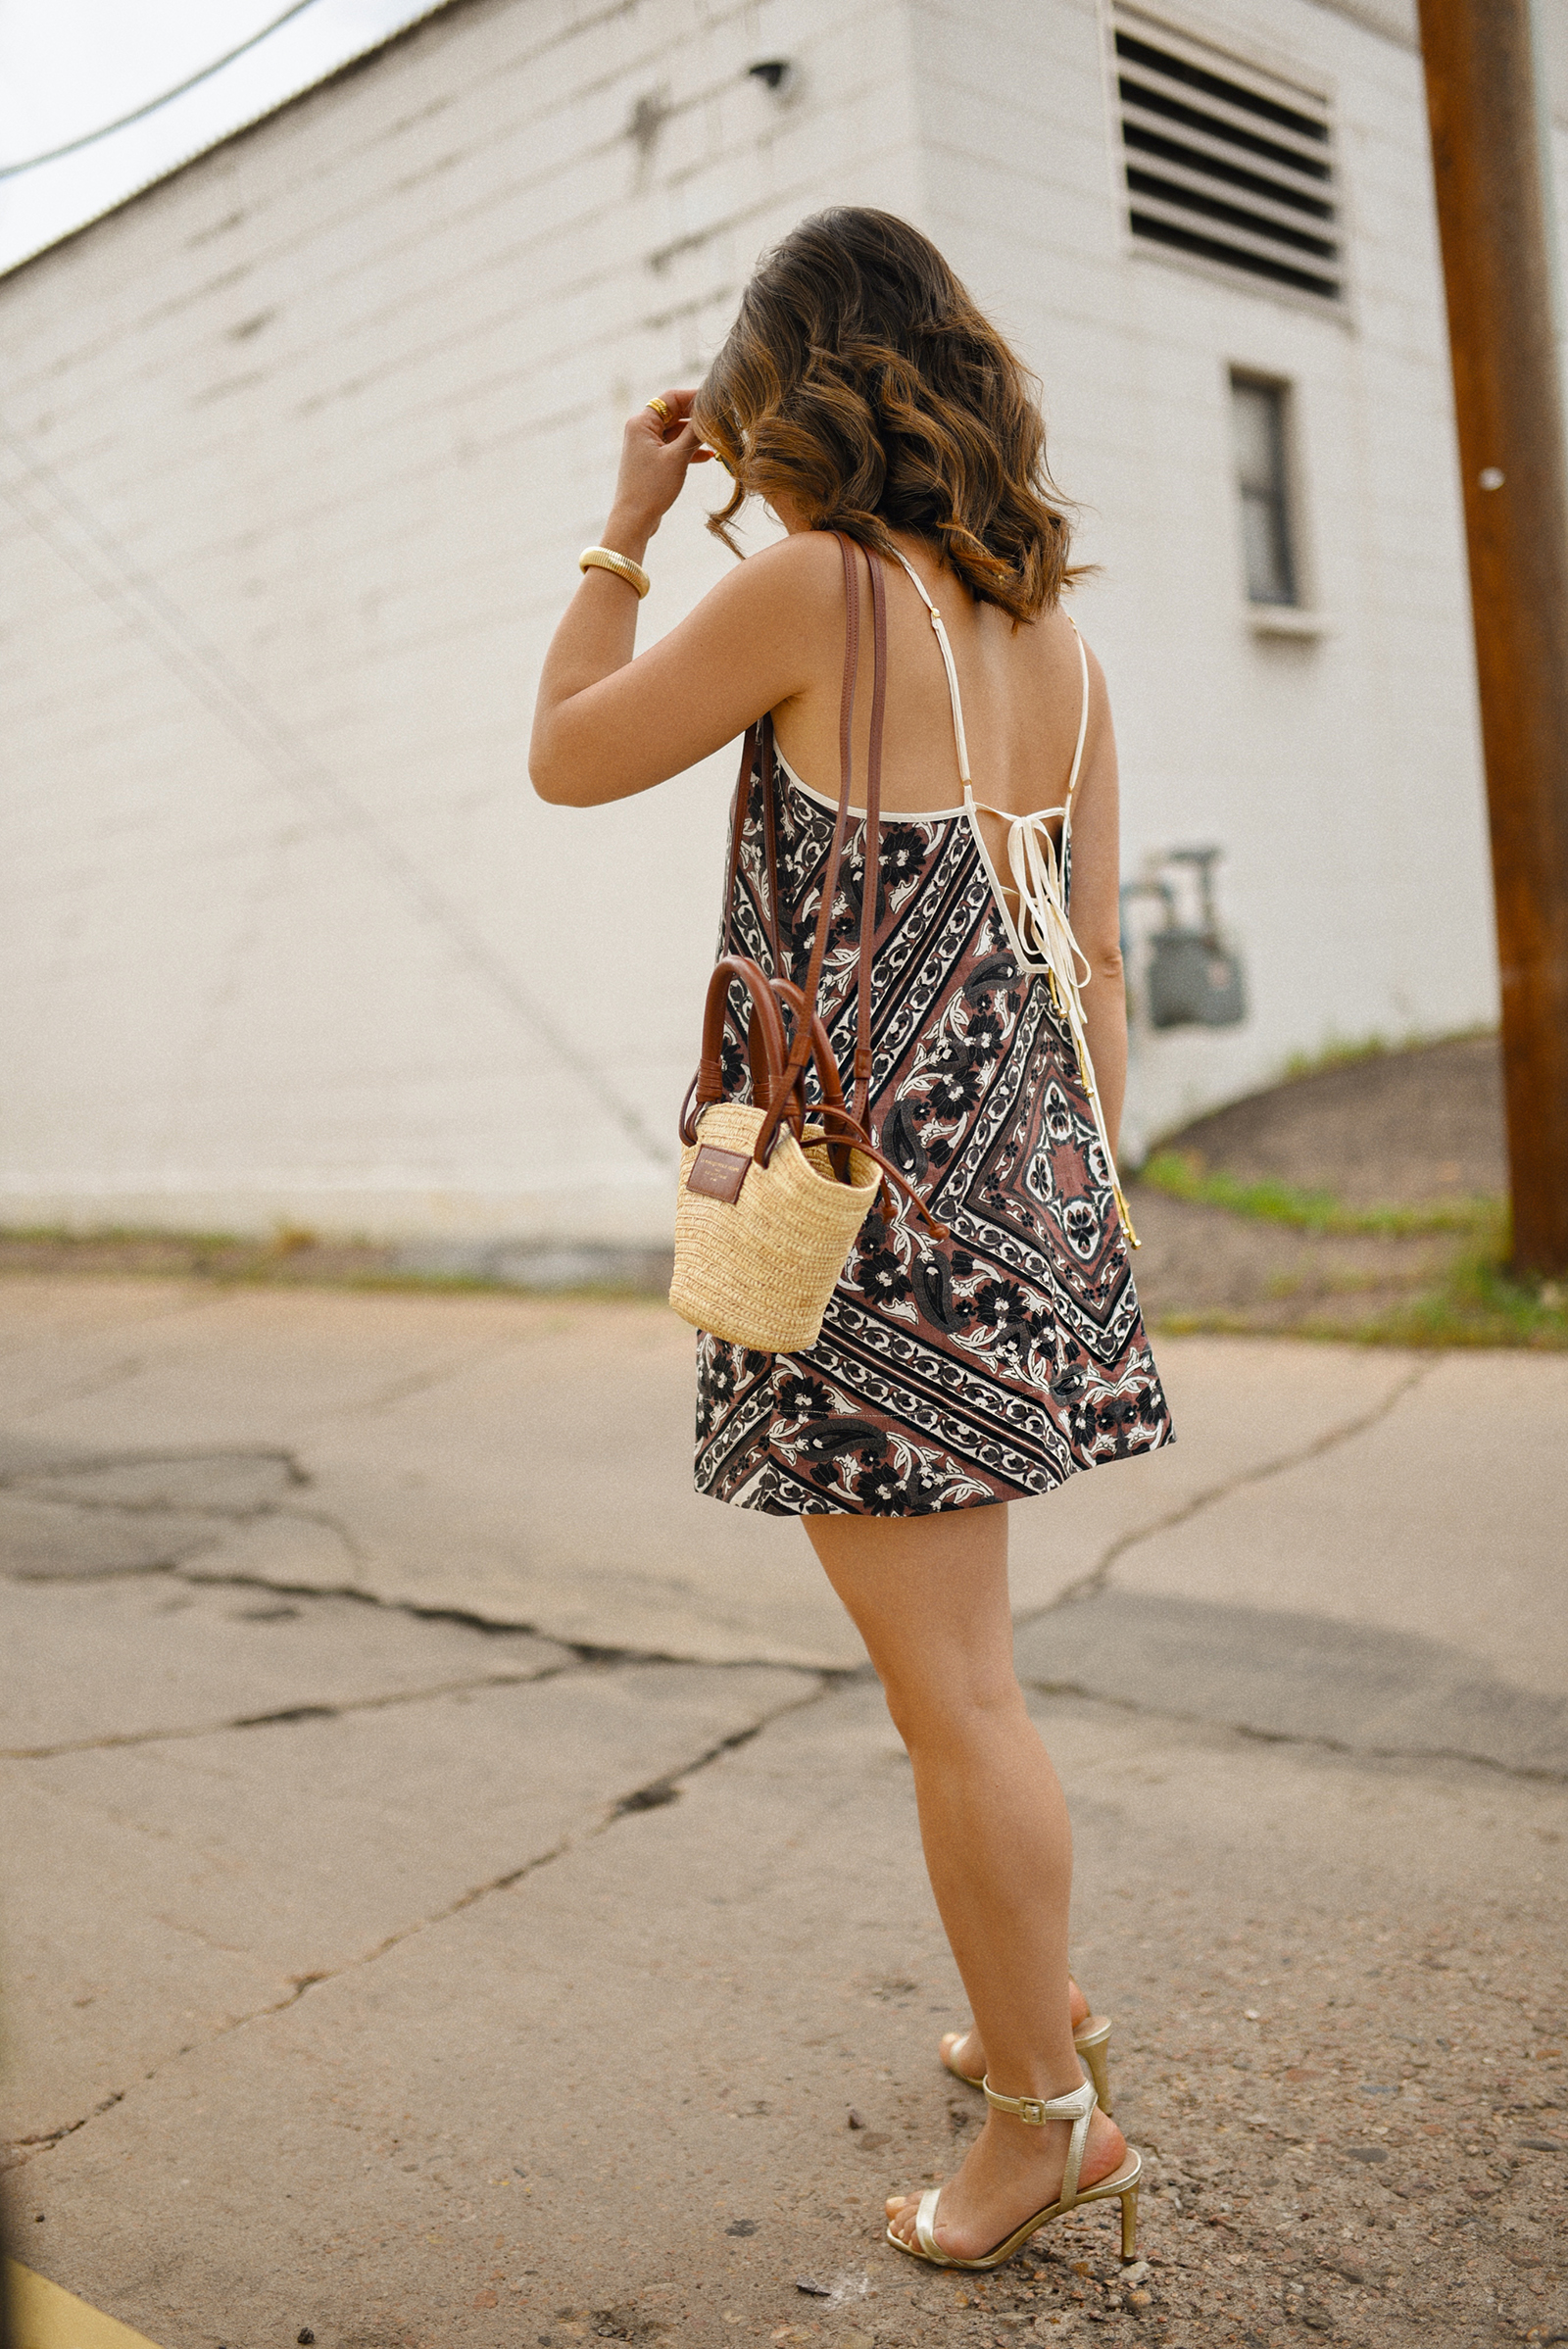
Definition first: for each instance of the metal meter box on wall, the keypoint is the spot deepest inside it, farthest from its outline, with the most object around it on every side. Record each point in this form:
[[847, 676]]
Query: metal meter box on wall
[[1192, 976]]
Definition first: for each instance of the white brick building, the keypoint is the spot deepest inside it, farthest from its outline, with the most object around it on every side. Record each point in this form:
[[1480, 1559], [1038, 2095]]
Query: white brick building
[[302, 444]]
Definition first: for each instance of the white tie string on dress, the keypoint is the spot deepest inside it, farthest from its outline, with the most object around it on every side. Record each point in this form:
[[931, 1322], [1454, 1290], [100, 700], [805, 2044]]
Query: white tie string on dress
[[1039, 872]]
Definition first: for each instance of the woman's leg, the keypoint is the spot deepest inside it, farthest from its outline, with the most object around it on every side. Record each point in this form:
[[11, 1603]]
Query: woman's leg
[[929, 1597]]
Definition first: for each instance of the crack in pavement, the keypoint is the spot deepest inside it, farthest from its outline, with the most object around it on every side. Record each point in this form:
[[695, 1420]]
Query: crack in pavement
[[188, 1562], [297, 1712], [586, 1651], [1090, 1584], [1313, 1739], [47, 2138], [30, 1482], [283, 1515], [653, 1796], [1097, 1584]]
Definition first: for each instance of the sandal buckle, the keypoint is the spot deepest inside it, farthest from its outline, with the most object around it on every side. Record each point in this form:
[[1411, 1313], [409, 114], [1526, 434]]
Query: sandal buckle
[[1030, 2109]]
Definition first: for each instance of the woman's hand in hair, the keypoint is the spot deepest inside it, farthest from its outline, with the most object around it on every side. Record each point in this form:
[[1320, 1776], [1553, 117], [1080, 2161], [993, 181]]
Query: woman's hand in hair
[[654, 458], [607, 724]]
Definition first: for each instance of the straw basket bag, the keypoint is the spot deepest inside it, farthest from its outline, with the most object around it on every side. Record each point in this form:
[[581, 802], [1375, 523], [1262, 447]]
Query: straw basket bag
[[772, 1193], [759, 1242]]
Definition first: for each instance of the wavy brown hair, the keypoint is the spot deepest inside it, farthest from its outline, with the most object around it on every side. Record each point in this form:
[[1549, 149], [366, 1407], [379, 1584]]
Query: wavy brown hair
[[862, 379]]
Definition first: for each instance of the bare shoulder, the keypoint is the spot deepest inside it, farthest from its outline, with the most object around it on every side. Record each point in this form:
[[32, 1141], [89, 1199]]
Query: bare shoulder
[[799, 579]]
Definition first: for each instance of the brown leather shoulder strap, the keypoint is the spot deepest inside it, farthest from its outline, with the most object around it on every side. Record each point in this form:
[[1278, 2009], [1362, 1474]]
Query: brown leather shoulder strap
[[758, 747], [870, 906], [801, 1043], [770, 842], [737, 818], [860, 1099]]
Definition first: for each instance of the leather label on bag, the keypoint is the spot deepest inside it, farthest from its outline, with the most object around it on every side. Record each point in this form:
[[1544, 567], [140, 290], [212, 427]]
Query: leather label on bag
[[719, 1174]]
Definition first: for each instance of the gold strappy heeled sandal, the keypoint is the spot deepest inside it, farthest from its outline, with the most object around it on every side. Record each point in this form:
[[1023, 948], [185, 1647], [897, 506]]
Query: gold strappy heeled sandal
[[1121, 2186], [1092, 2038]]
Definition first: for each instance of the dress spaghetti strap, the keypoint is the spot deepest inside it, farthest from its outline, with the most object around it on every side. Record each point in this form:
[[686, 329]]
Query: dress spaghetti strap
[[1083, 727], [953, 675]]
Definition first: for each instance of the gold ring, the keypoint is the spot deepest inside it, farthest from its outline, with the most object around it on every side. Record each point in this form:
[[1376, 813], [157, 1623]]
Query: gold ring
[[661, 409]]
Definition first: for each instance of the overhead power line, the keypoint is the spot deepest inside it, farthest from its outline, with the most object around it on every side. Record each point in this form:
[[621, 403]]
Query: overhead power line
[[89, 138]]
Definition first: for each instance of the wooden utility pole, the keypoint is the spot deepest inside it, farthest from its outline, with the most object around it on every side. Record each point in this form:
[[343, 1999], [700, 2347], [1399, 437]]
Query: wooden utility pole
[[1492, 194]]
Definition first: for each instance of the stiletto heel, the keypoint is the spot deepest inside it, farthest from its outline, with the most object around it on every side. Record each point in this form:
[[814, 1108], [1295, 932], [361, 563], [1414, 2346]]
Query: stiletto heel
[[1092, 2038], [1035, 2111], [1129, 2226]]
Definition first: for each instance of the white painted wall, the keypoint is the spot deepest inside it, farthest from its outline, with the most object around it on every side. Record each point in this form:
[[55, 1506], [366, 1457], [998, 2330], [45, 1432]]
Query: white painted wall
[[306, 441]]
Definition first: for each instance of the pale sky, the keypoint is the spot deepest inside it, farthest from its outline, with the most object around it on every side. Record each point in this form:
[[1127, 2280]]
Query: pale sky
[[69, 66]]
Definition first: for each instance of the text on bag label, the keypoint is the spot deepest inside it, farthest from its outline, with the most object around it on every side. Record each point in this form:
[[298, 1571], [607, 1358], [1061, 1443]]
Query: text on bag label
[[719, 1174]]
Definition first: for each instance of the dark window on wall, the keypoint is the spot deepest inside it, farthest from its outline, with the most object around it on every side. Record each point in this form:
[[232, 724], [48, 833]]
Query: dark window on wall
[[1258, 415]]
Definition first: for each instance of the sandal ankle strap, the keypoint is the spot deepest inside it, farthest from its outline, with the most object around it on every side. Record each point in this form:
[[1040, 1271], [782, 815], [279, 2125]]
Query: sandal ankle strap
[[1036, 2111]]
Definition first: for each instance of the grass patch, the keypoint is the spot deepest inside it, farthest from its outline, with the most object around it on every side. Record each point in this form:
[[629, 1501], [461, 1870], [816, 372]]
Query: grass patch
[[1473, 1299], [1477, 1301], [293, 1258], [1340, 1054], [1181, 1175], [1343, 1052]]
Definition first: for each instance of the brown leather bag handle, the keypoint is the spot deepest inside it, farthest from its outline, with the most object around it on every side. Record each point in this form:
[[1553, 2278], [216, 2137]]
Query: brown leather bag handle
[[757, 750], [768, 1044], [793, 998], [827, 1067], [845, 1130], [766, 1040]]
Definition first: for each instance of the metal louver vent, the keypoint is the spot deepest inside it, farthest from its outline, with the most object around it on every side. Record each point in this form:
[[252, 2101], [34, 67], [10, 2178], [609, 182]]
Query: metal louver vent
[[1226, 162]]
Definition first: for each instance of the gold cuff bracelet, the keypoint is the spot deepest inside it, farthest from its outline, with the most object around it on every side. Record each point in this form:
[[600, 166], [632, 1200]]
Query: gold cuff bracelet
[[605, 558]]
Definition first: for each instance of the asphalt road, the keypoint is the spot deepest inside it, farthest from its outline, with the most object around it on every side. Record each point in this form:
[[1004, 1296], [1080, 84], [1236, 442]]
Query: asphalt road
[[459, 1883]]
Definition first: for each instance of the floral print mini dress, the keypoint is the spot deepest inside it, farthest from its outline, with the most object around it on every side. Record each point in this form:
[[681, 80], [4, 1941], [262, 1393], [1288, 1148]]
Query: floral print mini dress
[[992, 1367]]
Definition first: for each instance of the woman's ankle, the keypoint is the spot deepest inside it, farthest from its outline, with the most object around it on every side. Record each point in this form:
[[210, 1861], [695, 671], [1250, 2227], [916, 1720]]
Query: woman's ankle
[[1039, 2076]]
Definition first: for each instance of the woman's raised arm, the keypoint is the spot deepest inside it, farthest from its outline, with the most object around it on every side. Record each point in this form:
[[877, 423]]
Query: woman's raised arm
[[607, 724]]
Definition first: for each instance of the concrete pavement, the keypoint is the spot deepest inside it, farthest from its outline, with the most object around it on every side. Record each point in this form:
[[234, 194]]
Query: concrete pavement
[[461, 1881], [527, 1463]]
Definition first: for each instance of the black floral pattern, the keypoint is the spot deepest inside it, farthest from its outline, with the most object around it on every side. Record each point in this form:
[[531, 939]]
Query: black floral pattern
[[902, 853], [880, 1489], [984, 1035], [802, 1398], [954, 1093], [881, 1276], [1001, 1302]]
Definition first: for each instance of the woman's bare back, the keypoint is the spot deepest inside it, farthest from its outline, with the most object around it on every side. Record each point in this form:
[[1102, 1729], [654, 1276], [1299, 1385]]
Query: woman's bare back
[[1022, 696]]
